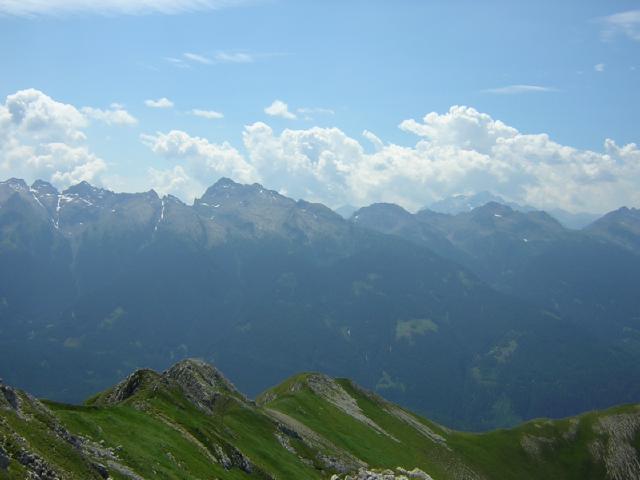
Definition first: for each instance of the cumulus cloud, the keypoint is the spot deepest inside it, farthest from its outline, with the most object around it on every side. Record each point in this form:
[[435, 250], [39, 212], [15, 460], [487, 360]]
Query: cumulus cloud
[[208, 114], [515, 89], [175, 181], [202, 162], [115, 115], [623, 23], [159, 103], [461, 126], [461, 150], [279, 109], [31, 8], [44, 138]]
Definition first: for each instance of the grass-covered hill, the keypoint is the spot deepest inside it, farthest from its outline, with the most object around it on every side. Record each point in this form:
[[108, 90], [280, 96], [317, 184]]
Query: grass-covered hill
[[189, 422]]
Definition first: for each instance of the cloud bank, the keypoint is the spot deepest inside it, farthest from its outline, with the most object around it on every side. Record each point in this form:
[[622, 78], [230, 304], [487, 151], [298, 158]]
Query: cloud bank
[[459, 151], [43, 138]]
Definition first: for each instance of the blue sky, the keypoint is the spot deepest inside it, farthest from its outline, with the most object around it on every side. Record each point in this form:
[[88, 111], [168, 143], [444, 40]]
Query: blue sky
[[570, 70]]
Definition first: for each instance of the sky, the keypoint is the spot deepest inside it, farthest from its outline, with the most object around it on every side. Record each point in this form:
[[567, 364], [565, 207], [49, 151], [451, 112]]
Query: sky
[[344, 102]]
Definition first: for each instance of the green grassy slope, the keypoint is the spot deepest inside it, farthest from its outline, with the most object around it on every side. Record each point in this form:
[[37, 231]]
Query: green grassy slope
[[191, 423]]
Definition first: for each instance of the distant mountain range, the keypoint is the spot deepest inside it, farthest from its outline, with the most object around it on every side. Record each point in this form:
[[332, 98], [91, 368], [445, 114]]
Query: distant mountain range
[[478, 320], [190, 422], [465, 203]]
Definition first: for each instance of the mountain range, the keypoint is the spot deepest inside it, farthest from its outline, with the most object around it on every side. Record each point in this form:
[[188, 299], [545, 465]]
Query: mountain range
[[478, 320], [465, 203], [190, 422]]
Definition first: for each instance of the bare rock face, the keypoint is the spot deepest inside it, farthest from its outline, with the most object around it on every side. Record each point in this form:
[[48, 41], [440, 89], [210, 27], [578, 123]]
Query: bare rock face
[[327, 388], [202, 383], [618, 453], [9, 398], [399, 474], [4, 459], [130, 386]]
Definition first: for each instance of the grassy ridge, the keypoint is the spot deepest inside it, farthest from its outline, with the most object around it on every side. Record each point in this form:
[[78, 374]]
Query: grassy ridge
[[190, 423]]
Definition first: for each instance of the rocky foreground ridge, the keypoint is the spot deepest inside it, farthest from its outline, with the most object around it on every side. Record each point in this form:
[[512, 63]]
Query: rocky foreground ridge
[[190, 422]]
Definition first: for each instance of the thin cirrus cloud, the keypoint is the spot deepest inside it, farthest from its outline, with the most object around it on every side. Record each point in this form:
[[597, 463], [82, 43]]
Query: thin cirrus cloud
[[234, 57], [159, 103], [315, 110], [516, 89], [208, 114], [599, 67], [624, 23], [197, 58], [219, 57], [32, 8]]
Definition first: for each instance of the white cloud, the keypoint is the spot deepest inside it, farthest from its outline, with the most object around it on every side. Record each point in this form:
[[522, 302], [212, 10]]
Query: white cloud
[[194, 57], [374, 139], [203, 161], [316, 164], [318, 110], [623, 23], [462, 126], [515, 89], [116, 115], [43, 138], [159, 103], [175, 181], [599, 67], [42, 118], [208, 114], [279, 109], [234, 57], [111, 7], [309, 113], [177, 62], [460, 150]]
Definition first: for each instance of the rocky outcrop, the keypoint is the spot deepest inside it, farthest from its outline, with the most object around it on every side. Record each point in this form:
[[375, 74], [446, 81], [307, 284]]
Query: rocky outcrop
[[327, 388], [617, 450], [202, 383], [128, 387], [387, 474]]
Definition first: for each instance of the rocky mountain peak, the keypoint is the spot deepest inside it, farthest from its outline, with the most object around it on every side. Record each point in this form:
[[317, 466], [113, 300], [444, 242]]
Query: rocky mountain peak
[[226, 191], [87, 191], [492, 208], [201, 382], [16, 184], [44, 188]]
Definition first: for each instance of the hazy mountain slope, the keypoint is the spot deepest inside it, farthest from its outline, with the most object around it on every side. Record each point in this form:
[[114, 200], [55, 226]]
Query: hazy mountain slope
[[620, 227], [266, 286], [587, 277], [465, 203], [190, 422]]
